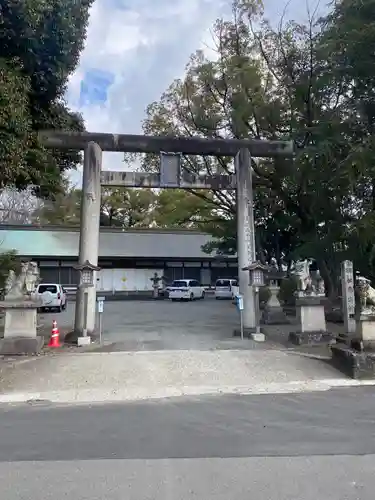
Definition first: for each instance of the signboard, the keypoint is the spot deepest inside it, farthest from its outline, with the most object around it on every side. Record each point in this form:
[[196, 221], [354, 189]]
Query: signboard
[[348, 296], [100, 304], [170, 170], [239, 302]]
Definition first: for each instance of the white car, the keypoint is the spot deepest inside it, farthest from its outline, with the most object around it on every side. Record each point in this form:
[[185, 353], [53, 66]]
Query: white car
[[186, 289], [52, 296], [226, 288]]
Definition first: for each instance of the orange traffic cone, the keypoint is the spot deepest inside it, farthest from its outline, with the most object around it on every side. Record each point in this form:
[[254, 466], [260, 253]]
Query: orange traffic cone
[[55, 336]]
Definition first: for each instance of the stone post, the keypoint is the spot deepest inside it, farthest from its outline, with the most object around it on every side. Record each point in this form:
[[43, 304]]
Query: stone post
[[245, 236], [348, 297], [89, 237]]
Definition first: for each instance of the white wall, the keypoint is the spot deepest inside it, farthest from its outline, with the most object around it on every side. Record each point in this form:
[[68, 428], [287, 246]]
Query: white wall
[[126, 280]]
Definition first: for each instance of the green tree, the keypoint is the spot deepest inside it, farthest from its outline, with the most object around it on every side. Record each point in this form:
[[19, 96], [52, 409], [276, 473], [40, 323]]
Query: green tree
[[276, 84], [348, 38], [313, 191], [175, 208], [41, 41], [124, 208], [127, 208], [232, 96], [15, 124], [64, 209]]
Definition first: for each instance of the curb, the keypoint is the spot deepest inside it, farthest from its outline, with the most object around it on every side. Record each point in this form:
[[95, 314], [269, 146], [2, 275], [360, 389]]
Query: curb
[[141, 394]]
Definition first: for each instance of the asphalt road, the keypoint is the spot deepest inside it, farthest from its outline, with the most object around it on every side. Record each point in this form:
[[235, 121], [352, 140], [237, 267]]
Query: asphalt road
[[302, 446]]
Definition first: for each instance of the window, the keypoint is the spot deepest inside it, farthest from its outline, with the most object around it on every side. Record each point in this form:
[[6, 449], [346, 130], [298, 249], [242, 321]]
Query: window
[[179, 284], [47, 288], [223, 283]]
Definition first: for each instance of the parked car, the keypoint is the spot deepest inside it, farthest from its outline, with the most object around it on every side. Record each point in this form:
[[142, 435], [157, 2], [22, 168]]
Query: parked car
[[164, 292], [52, 296], [186, 289], [226, 288]]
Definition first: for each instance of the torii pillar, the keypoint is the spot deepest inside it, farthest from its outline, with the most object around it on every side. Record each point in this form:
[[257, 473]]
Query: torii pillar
[[84, 324], [246, 253]]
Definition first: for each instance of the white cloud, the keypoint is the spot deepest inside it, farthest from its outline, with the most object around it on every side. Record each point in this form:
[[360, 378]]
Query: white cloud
[[142, 45]]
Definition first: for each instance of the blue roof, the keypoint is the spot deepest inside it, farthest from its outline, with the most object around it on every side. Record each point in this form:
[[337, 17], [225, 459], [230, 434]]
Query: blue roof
[[31, 241]]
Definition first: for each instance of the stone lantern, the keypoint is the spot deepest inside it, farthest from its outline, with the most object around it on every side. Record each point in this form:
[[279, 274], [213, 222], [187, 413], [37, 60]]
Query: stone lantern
[[273, 313], [257, 272], [86, 281], [86, 274]]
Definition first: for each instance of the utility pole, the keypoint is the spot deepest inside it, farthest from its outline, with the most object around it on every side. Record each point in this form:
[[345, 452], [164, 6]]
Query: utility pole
[[89, 237]]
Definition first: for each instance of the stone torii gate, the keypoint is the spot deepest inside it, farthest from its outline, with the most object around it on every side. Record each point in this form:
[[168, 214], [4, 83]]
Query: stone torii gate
[[171, 150]]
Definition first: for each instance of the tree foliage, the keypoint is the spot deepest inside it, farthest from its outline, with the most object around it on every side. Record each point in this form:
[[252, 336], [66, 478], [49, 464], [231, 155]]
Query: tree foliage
[[64, 209], [348, 35], [181, 209], [8, 261], [41, 41], [128, 208], [310, 82]]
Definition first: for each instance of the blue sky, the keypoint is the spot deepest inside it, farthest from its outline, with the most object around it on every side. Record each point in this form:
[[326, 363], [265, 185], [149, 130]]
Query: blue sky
[[134, 50]]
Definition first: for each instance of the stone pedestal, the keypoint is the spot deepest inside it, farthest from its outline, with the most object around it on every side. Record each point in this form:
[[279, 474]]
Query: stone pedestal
[[311, 318], [357, 360], [20, 328], [365, 331], [273, 313], [250, 333]]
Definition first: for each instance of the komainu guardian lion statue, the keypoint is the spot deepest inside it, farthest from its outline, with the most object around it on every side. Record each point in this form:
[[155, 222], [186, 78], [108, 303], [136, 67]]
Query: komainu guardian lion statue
[[21, 286], [309, 284], [302, 273], [366, 295]]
